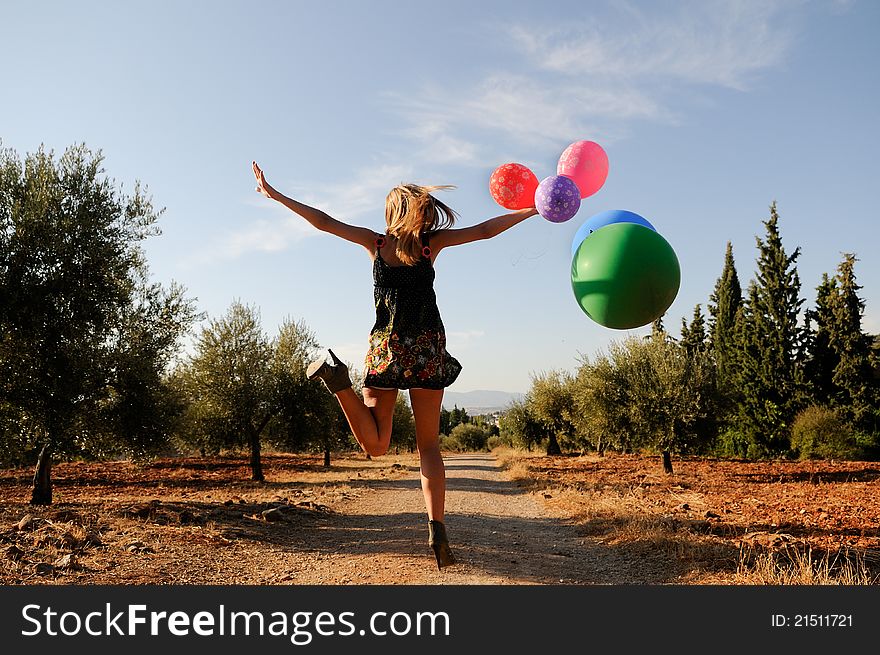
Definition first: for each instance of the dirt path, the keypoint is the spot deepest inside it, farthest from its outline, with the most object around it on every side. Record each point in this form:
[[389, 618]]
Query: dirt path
[[360, 522], [201, 521], [499, 533]]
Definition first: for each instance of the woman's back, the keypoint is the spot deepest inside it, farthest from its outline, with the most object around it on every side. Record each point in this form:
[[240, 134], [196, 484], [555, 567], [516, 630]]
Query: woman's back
[[408, 339]]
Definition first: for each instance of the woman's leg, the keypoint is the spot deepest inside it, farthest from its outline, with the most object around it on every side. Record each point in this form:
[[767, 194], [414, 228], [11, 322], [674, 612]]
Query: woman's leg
[[370, 419], [426, 411]]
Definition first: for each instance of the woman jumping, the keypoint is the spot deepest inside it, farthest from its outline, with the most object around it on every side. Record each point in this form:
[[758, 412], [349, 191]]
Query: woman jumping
[[408, 342]]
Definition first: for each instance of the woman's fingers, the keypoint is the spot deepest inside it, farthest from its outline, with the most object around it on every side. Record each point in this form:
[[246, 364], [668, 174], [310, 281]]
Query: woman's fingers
[[261, 181]]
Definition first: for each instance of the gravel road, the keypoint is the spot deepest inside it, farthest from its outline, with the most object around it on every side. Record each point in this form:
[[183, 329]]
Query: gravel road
[[499, 533]]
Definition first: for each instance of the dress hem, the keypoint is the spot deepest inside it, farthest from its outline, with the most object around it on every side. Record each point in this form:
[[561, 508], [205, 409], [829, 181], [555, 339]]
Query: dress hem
[[417, 384]]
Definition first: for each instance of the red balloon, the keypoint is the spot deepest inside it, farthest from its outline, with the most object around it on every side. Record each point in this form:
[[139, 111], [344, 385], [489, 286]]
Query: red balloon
[[513, 186]]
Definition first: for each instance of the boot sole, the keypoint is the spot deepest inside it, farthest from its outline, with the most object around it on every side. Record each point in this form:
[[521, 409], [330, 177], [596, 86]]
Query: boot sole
[[443, 555], [314, 367]]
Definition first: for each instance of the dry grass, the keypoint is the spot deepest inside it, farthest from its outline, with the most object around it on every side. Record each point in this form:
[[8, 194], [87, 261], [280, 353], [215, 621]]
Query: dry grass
[[803, 567], [619, 520], [516, 462], [692, 526]]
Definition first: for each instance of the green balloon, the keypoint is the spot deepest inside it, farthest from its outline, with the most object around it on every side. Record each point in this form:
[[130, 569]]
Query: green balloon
[[625, 275]]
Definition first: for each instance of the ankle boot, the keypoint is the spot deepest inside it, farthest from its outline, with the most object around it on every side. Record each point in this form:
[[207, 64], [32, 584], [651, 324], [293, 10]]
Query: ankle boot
[[439, 542], [335, 375]]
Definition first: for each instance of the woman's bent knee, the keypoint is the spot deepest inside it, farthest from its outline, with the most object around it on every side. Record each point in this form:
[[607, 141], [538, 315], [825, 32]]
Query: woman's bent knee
[[382, 443], [378, 450]]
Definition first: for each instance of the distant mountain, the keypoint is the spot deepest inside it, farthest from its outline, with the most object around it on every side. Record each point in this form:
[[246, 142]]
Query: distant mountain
[[481, 401]]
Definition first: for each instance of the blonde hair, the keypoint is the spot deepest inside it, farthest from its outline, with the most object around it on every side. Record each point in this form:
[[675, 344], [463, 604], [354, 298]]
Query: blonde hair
[[410, 211]]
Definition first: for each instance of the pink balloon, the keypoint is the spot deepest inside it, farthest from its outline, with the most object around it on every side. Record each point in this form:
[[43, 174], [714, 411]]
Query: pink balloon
[[586, 163]]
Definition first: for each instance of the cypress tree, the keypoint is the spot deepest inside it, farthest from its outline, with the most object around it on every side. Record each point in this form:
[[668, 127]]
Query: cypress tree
[[445, 415], [852, 377], [693, 336], [820, 359], [658, 331], [724, 303], [768, 376]]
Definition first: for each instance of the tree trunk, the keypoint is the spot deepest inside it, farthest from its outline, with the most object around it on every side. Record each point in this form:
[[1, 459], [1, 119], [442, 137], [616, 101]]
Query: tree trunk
[[42, 491], [256, 465], [553, 445], [326, 457], [667, 462]]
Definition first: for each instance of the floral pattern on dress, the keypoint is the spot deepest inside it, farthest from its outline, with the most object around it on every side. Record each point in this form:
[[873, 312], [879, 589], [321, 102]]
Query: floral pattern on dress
[[414, 359]]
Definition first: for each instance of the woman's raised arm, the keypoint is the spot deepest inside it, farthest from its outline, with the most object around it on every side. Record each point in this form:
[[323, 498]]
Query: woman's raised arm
[[485, 230], [316, 217]]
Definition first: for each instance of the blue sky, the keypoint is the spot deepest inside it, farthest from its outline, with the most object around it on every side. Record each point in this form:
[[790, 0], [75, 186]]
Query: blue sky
[[708, 112]]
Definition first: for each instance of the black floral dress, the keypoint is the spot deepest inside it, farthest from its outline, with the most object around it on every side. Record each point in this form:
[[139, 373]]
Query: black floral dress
[[408, 341]]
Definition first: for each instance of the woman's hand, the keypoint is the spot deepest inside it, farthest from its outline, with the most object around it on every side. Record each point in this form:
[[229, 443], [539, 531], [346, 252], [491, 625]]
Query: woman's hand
[[263, 186], [317, 218]]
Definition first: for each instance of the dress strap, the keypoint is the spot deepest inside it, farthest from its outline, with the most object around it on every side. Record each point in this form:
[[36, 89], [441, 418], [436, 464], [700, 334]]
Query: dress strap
[[426, 248]]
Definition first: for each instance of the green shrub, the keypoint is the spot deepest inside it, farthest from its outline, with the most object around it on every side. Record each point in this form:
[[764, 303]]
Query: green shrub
[[869, 445], [494, 442], [820, 433], [450, 443], [731, 443], [470, 436]]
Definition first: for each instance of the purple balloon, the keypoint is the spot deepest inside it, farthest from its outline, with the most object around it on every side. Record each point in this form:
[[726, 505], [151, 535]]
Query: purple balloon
[[557, 198]]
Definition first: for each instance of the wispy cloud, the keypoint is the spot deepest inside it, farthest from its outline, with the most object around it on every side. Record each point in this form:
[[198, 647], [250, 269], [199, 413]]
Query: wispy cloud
[[528, 110], [365, 192], [345, 201], [716, 43], [272, 234], [432, 131], [597, 79]]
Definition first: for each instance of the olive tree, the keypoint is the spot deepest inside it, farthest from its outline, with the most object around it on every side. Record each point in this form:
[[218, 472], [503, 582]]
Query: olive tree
[[84, 336]]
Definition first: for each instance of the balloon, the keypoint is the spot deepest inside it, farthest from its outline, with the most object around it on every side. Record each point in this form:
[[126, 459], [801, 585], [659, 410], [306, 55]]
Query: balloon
[[601, 220], [513, 186], [625, 276], [557, 198], [587, 164]]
